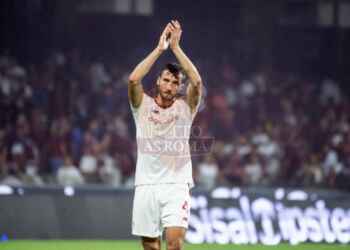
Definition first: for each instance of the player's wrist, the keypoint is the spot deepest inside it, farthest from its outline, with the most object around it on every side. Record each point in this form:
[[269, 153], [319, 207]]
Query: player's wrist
[[160, 49], [175, 47]]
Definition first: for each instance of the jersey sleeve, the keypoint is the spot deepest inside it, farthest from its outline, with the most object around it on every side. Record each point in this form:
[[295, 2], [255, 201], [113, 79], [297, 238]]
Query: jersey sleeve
[[136, 111]]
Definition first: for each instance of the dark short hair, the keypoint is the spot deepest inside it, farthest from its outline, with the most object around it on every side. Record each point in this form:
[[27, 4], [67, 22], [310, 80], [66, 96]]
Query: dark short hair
[[173, 68]]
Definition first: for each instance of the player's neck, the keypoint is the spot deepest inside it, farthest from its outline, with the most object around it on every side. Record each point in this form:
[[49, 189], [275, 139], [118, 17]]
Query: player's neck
[[163, 103]]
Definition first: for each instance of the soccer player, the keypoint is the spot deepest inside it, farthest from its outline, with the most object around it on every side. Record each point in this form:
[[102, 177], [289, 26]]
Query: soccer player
[[164, 170]]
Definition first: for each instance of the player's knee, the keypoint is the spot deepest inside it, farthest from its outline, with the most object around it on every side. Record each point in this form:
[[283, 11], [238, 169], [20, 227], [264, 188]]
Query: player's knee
[[150, 244], [174, 244]]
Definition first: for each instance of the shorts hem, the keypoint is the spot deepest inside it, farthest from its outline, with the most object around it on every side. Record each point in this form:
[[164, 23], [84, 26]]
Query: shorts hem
[[174, 225], [146, 235]]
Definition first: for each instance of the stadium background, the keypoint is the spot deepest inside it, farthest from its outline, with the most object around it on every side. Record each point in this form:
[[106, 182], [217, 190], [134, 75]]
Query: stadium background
[[272, 137]]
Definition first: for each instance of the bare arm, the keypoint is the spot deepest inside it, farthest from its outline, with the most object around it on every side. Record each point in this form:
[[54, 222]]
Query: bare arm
[[135, 89], [194, 89]]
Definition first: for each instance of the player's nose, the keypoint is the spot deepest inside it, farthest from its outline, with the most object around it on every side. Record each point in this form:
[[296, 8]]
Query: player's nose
[[168, 86]]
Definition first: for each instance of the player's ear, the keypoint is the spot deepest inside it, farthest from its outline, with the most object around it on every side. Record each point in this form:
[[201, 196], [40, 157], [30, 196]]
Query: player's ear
[[158, 81]]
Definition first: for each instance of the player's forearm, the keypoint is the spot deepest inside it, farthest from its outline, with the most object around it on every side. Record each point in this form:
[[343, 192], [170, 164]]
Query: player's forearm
[[187, 66], [144, 67]]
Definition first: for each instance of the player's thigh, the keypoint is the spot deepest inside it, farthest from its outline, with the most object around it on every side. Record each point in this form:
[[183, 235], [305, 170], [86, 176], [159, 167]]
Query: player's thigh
[[144, 203], [175, 237], [176, 206], [145, 214]]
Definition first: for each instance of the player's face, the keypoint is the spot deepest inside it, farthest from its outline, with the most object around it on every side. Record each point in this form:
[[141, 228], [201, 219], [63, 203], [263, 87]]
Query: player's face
[[168, 84]]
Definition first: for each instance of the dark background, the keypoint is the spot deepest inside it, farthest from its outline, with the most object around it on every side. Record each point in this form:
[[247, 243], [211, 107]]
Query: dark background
[[286, 34]]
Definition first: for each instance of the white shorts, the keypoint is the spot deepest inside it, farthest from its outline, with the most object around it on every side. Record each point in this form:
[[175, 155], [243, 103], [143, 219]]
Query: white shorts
[[159, 206]]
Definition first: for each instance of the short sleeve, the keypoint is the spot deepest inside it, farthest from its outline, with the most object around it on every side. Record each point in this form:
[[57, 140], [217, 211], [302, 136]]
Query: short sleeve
[[136, 111]]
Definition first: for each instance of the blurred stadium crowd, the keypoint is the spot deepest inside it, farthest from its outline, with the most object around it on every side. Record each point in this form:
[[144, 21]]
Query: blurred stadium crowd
[[67, 121]]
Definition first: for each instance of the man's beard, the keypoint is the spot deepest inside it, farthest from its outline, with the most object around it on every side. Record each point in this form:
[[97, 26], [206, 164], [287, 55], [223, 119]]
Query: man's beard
[[167, 96]]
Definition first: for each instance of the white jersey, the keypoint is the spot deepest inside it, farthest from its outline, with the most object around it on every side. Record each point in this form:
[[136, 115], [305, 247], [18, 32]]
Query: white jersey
[[163, 151]]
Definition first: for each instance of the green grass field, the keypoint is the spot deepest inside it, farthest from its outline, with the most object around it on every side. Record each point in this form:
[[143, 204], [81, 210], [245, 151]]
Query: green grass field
[[134, 245]]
